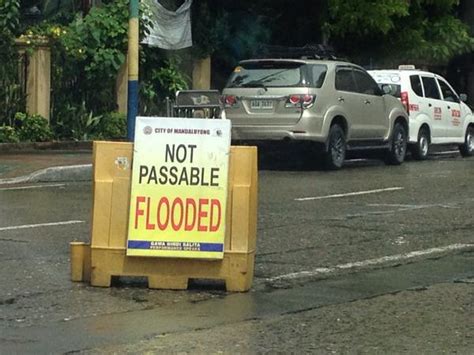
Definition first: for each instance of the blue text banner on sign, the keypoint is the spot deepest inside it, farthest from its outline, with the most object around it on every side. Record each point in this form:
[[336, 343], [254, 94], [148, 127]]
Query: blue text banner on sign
[[179, 188]]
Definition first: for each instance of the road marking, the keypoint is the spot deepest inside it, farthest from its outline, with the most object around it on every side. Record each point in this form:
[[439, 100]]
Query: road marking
[[411, 207], [396, 205], [39, 225], [358, 193], [371, 262], [31, 187]]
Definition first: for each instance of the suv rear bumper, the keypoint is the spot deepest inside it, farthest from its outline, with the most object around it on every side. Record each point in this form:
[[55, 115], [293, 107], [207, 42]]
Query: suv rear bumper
[[308, 128], [282, 133]]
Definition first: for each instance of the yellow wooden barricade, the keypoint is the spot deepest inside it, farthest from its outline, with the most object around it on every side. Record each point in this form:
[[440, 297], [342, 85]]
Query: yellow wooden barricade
[[105, 256]]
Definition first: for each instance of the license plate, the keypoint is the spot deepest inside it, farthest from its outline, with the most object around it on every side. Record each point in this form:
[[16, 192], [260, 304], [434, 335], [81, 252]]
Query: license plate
[[261, 104]]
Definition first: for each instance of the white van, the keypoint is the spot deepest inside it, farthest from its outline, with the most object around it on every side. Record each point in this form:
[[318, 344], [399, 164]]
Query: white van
[[437, 114]]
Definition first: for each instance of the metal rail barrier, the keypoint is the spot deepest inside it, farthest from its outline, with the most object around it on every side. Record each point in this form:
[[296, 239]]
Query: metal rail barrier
[[196, 104]]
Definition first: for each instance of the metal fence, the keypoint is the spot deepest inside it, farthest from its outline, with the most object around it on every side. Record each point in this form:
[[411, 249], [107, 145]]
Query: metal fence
[[13, 88], [23, 72], [195, 104]]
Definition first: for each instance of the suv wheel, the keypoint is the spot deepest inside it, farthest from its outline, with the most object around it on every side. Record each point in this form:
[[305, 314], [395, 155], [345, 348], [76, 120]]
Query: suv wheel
[[467, 149], [421, 148], [398, 146], [336, 148]]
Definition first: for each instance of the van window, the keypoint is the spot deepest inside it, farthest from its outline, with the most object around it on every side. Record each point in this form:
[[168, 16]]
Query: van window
[[448, 94], [416, 85], [392, 89], [345, 80], [431, 88]]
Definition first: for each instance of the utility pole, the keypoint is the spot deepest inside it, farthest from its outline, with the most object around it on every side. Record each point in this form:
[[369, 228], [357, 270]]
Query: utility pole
[[132, 103]]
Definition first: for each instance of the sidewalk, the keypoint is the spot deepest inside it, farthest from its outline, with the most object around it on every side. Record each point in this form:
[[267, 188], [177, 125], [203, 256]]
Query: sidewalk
[[23, 163]]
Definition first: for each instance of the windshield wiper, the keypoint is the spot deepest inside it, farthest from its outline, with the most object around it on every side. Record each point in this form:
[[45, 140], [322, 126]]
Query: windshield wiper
[[269, 77], [254, 84]]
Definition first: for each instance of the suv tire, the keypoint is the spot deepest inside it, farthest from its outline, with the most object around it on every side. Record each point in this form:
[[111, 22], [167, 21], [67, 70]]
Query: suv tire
[[398, 146], [467, 148], [422, 146], [335, 152]]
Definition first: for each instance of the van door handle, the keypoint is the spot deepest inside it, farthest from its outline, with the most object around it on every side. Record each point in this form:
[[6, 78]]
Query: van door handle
[[367, 102], [340, 99]]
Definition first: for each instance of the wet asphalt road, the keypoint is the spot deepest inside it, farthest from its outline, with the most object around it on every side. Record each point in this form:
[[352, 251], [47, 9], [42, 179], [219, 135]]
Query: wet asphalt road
[[325, 240]]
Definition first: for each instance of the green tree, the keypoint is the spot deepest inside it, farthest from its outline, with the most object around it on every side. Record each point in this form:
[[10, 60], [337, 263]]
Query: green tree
[[12, 97], [419, 31], [462, 68], [388, 31]]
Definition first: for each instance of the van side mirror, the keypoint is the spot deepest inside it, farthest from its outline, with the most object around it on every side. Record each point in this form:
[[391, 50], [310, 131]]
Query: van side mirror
[[463, 97]]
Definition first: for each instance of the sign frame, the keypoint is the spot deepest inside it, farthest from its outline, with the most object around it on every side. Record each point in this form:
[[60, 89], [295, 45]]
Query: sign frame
[[179, 188]]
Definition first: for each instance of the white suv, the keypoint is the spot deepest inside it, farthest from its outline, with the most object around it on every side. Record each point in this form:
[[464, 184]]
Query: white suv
[[437, 114]]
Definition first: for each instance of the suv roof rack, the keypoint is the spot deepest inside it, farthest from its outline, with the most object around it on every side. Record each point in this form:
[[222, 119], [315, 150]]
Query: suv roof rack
[[309, 51]]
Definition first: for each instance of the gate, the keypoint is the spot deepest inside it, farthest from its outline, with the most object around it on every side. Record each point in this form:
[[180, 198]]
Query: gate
[[13, 88]]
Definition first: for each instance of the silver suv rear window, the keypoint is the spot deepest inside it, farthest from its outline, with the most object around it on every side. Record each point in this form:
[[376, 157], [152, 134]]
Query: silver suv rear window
[[277, 74]]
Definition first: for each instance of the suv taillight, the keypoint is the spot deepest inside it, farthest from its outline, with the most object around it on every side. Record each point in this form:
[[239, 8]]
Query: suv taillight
[[305, 101], [404, 100], [229, 100]]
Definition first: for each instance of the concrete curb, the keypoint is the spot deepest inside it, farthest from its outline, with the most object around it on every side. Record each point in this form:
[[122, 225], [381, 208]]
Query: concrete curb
[[38, 147], [71, 173]]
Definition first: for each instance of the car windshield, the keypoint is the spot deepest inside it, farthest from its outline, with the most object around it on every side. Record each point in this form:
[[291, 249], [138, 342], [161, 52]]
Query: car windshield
[[270, 74]]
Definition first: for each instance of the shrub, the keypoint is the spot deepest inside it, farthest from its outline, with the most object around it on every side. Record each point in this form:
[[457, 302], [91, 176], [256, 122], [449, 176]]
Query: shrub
[[8, 135], [33, 128], [113, 125], [77, 123]]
